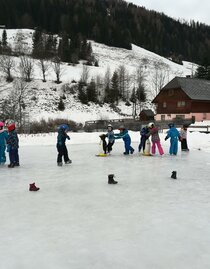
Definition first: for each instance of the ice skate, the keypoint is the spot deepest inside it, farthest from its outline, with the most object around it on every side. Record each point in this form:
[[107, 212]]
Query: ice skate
[[68, 162], [11, 165], [59, 164]]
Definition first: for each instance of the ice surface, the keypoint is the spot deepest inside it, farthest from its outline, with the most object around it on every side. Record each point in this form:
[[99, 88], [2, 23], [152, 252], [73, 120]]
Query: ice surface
[[78, 221]]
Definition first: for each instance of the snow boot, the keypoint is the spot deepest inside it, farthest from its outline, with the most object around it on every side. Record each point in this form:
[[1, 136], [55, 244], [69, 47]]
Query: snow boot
[[17, 164], [126, 153], [11, 165], [173, 175], [68, 162], [32, 187], [111, 179], [60, 164]]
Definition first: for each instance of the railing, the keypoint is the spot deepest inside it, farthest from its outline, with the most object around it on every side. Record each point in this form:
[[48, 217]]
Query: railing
[[200, 128]]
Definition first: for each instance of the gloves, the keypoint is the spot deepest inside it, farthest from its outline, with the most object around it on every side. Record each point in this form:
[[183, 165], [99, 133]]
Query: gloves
[[166, 138], [68, 137]]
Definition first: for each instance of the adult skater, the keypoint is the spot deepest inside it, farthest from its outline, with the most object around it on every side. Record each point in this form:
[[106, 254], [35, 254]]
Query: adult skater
[[173, 134], [3, 138], [61, 145], [126, 138], [153, 131]]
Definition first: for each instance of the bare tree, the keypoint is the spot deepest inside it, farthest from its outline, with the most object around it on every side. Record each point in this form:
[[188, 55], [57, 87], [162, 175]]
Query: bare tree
[[57, 68], [159, 78], [122, 81], [14, 105], [85, 74], [26, 67], [44, 66], [7, 64]]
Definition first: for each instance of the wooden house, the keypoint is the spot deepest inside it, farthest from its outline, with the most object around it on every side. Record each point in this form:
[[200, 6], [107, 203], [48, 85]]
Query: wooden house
[[146, 115], [184, 98]]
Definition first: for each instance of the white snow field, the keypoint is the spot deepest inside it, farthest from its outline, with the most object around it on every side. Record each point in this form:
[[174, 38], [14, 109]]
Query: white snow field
[[78, 221]]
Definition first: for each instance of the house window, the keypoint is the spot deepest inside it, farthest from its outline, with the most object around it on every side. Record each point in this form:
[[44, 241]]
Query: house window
[[171, 92], [164, 104], [169, 115], [180, 116], [204, 116], [181, 104], [163, 117]]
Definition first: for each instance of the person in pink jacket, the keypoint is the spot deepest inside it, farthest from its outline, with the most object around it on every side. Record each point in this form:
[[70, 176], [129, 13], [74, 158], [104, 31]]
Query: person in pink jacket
[[153, 131]]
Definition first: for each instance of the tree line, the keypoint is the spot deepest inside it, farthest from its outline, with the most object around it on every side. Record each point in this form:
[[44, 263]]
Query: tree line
[[112, 22]]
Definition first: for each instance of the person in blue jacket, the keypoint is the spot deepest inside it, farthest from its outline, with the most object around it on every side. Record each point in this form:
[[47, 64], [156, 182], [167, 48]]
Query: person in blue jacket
[[61, 144], [13, 146], [174, 136], [3, 139], [126, 138], [144, 136], [110, 136]]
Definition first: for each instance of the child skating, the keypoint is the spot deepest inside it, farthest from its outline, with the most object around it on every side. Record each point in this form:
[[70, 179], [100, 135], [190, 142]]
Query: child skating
[[110, 136], [12, 146], [3, 139], [173, 134], [183, 138], [61, 145], [126, 138], [153, 131], [144, 136]]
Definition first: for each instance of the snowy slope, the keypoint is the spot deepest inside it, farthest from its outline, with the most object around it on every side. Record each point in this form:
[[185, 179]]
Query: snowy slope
[[48, 94]]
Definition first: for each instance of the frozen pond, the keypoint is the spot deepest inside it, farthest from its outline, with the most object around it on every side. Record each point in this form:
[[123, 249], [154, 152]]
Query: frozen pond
[[78, 221]]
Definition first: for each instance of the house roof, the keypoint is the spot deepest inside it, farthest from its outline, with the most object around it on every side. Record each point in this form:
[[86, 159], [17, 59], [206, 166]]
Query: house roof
[[148, 112], [196, 89]]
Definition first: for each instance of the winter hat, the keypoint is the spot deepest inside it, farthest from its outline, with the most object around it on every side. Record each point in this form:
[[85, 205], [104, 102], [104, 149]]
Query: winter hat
[[64, 127], [109, 125], [151, 124], [122, 127], [1, 125], [11, 127]]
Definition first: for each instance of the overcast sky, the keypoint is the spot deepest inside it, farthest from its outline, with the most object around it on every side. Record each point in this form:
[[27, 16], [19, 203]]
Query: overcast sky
[[198, 10]]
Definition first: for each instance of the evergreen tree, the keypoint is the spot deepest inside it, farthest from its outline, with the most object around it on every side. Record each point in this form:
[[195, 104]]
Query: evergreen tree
[[82, 94], [4, 39], [91, 91], [114, 91], [61, 105]]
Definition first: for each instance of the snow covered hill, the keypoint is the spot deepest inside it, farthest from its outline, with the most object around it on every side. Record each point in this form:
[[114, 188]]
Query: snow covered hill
[[43, 98]]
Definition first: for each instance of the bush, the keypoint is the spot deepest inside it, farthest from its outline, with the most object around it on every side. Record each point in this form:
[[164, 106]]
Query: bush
[[51, 125]]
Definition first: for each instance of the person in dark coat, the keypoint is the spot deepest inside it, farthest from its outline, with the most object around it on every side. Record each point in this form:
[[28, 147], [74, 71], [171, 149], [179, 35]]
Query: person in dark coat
[[12, 146], [144, 136], [61, 145], [126, 138]]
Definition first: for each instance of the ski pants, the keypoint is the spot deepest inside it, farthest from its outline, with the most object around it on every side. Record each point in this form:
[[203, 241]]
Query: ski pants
[[142, 143], [173, 146], [160, 149], [62, 152], [2, 154], [14, 156], [184, 144], [109, 146], [128, 147]]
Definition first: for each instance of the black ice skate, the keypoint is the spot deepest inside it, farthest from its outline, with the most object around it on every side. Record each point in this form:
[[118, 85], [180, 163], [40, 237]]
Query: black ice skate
[[60, 164], [173, 175], [68, 162], [111, 179]]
